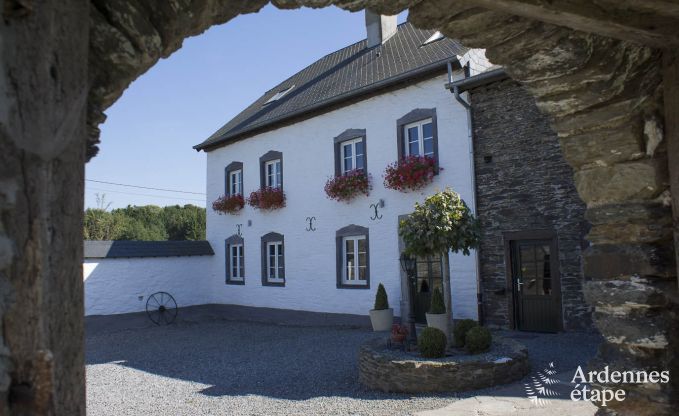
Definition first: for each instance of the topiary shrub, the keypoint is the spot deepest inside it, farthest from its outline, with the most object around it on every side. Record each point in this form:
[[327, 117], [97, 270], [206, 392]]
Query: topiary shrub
[[432, 343], [478, 340], [438, 306], [460, 330], [381, 300]]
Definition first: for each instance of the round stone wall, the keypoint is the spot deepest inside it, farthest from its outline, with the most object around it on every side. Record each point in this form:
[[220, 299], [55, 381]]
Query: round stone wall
[[389, 370]]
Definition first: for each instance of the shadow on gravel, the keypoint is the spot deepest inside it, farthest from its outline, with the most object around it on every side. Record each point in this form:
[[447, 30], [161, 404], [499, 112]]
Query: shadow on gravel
[[286, 362]]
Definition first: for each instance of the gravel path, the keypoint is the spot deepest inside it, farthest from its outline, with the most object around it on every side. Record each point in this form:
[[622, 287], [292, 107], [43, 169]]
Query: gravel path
[[234, 368]]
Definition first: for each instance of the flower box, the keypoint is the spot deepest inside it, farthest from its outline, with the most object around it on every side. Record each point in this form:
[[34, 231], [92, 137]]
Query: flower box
[[228, 204], [410, 173], [267, 198], [348, 186]]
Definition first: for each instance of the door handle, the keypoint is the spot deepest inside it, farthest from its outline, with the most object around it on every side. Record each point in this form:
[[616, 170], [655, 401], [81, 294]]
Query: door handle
[[519, 283]]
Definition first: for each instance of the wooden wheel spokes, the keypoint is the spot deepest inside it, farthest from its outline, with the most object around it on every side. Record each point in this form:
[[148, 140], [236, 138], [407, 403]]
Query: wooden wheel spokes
[[161, 308]]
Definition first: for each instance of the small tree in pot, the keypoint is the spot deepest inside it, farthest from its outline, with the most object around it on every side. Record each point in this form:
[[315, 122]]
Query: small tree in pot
[[382, 317], [436, 317], [441, 224]]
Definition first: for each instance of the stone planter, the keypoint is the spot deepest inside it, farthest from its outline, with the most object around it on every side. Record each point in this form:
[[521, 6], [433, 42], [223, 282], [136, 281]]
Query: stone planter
[[438, 321], [382, 319]]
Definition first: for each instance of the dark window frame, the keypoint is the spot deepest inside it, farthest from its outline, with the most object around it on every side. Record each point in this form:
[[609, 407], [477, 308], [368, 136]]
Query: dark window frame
[[346, 135], [232, 167], [234, 239], [271, 237], [268, 157], [350, 231], [414, 116]]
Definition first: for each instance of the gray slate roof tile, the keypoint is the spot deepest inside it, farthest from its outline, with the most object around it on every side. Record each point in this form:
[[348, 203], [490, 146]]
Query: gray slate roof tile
[[118, 249], [347, 73]]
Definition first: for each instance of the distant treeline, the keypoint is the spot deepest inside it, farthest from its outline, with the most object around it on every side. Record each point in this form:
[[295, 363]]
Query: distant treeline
[[149, 223]]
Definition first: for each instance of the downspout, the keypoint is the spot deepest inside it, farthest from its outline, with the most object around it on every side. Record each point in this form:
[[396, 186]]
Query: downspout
[[472, 167]]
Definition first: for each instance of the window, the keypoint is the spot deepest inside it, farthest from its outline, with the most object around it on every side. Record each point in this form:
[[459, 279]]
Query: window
[[235, 260], [271, 170], [233, 176], [353, 257], [236, 182], [273, 173], [350, 151], [354, 260], [352, 155], [419, 138], [273, 260], [417, 134]]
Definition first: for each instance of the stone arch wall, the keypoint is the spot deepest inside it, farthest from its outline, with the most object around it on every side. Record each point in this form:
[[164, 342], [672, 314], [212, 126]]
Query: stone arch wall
[[604, 97]]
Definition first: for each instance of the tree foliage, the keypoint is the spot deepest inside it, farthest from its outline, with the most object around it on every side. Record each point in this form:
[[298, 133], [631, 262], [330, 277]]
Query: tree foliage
[[442, 223], [148, 223]]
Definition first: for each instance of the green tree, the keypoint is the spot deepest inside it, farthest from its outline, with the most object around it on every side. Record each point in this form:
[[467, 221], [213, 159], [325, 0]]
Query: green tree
[[441, 224]]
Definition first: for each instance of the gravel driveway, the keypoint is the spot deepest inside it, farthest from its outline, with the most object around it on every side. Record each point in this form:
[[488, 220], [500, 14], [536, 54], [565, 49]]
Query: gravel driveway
[[236, 368]]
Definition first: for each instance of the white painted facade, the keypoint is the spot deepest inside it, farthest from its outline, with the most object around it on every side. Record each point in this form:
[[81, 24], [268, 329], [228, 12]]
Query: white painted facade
[[308, 161], [122, 285]]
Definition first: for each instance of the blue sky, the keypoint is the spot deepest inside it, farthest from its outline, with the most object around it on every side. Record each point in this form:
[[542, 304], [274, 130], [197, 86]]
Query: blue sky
[[147, 138]]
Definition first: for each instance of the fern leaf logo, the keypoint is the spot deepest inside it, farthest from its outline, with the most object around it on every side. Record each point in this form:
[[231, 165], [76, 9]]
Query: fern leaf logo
[[538, 390]]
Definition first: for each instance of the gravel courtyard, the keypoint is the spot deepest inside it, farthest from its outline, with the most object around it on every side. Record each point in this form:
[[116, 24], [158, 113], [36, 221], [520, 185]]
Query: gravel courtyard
[[237, 368]]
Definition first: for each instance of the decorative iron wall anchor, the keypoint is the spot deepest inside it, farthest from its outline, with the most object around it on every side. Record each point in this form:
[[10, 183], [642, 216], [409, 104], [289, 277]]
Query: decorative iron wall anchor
[[377, 215], [311, 223], [238, 227]]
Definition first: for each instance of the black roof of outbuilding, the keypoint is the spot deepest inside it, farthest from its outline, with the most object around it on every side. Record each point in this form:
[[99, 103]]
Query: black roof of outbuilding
[[117, 249], [340, 76]]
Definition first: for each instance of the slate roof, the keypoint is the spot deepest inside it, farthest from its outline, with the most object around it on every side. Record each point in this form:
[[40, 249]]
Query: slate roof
[[118, 249], [346, 74]]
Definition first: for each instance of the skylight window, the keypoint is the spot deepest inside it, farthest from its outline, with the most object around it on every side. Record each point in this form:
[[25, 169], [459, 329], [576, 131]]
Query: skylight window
[[433, 38], [279, 95]]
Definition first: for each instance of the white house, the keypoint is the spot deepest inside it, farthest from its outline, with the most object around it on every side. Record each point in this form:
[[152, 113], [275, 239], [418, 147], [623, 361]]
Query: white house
[[362, 107]]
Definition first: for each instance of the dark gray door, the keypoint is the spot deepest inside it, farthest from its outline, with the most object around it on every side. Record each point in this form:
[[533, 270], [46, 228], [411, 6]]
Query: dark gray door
[[535, 285], [428, 278]]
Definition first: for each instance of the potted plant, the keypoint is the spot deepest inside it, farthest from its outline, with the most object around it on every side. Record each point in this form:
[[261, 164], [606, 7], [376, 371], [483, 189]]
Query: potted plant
[[436, 317], [228, 204], [382, 317], [410, 173], [398, 333], [348, 186], [267, 198], [443, 223]]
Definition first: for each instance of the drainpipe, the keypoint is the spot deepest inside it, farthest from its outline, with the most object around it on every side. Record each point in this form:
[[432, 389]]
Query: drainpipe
[[472, 166]]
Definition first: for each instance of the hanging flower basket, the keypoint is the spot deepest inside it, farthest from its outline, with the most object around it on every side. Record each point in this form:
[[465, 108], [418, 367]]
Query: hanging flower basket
[[267, 198], [348, 186], [228, 204], [411, 173]]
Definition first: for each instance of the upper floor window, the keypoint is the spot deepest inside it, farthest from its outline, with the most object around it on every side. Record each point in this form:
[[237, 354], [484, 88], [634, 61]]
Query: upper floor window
[[234, 178], [235, 260], [417, 134], [273, 173], [419, 137], [271, 169], [350, 151], [353, 257], [273, 260]]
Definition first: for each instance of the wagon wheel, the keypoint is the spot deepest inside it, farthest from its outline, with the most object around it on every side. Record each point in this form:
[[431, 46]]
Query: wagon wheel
[[161, 308]]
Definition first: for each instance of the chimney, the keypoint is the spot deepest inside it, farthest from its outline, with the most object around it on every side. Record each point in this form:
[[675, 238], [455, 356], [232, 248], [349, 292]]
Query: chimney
[[380, 28]]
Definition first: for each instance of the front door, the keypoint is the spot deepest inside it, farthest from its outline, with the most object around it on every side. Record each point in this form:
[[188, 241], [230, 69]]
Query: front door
[[535, 278], [429, 277]]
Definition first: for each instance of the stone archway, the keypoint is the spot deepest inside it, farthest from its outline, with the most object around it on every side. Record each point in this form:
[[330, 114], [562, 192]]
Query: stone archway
[[603, 78]]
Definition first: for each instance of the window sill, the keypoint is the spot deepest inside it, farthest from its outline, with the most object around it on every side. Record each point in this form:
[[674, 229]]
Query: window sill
[[235, 282], [268, 283], [353, 286]]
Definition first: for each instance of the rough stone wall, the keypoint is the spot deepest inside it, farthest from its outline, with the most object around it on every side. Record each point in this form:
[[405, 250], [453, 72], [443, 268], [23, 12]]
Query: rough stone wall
[[43, 98], [527, 185]]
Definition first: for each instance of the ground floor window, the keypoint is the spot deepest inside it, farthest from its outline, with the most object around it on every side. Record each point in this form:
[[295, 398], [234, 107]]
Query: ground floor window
[[353, 257], [273, 259], [235, 260]]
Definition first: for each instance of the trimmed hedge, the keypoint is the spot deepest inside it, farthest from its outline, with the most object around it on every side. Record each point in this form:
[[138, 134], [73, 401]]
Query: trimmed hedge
[[438, 306], [381, 301], [460, 331], [432, 343], [478, 340]]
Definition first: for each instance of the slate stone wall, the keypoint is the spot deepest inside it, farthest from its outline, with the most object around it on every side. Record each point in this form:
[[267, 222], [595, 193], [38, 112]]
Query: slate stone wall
[[524, 184]]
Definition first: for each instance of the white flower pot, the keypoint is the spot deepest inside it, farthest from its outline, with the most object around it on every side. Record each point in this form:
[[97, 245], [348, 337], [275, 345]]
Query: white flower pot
[[438, 321], [382, 319]]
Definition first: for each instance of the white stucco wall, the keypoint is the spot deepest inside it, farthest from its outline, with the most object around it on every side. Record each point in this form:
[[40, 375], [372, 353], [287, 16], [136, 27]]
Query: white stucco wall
[[114, 285], [308, 162]]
